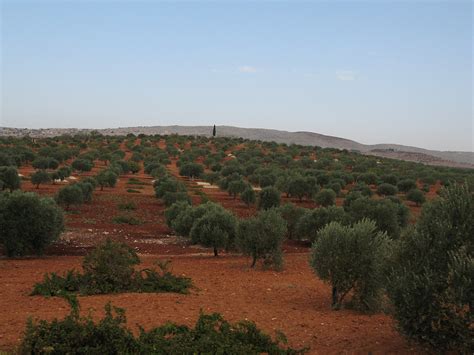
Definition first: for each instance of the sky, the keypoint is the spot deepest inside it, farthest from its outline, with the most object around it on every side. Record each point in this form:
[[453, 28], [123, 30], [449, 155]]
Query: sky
[[372, 71]]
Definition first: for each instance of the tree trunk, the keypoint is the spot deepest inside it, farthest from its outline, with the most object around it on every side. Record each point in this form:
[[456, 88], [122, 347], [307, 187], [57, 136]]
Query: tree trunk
[[254, 261], [215, 251], [335, 304]]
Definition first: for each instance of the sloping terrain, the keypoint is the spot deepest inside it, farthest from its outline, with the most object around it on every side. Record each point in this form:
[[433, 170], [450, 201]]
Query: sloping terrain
[[395, 151]]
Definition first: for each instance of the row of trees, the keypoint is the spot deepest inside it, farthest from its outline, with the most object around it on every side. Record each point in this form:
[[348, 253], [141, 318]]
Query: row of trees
[[211, 225]]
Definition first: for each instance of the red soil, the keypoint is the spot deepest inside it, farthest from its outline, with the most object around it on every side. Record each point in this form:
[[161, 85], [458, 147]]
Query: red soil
[[293, 301]]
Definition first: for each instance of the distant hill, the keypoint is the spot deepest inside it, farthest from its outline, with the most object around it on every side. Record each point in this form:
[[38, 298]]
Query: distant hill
[[395, 151]]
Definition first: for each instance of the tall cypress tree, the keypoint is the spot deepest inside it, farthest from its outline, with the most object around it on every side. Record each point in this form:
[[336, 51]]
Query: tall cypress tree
[[214, 131]]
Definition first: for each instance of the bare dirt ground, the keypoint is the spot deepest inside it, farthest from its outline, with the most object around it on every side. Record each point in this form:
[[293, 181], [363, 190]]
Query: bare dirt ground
[[293, 301]]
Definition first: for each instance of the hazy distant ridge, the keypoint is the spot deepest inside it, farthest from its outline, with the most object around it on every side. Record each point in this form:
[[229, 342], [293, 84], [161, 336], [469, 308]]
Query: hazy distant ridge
[[396, 151]]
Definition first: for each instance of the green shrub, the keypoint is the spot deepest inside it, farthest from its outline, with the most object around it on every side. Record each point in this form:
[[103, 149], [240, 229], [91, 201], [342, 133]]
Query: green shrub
[[135, 181], [28, 223], [126, 219], [211, 335], [127, 206], [416, 196], [109, 268], [133, 191], [352, 259], [431, 286], [262, 237]]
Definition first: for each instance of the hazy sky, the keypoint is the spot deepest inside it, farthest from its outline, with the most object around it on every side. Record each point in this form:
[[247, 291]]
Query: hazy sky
[[372, 71]]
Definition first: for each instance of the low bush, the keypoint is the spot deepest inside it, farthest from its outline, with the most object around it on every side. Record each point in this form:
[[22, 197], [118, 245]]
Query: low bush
[[134, 191], [127, 206], [211, 335], [416, 196], [135, 181], [109, 268], [406, 185], [126, 219]]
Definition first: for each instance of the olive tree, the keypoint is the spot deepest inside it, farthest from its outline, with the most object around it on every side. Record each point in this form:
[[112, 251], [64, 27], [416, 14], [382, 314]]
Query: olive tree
[[325, 197], [248, 196], [40, 177], [292, 215], [45, 163], [10, 178], [192, 170], [431, 286], [29, 223], [352, 258], [387, 189], [236, 187], [312, 221], [385, 213], [262, 237], [215, 229], [269, 197], [106, 178], [82, 165], [70, 195]]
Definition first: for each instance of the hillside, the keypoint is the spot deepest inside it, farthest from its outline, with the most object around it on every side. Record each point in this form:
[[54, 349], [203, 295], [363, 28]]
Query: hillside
[[395, 151]]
